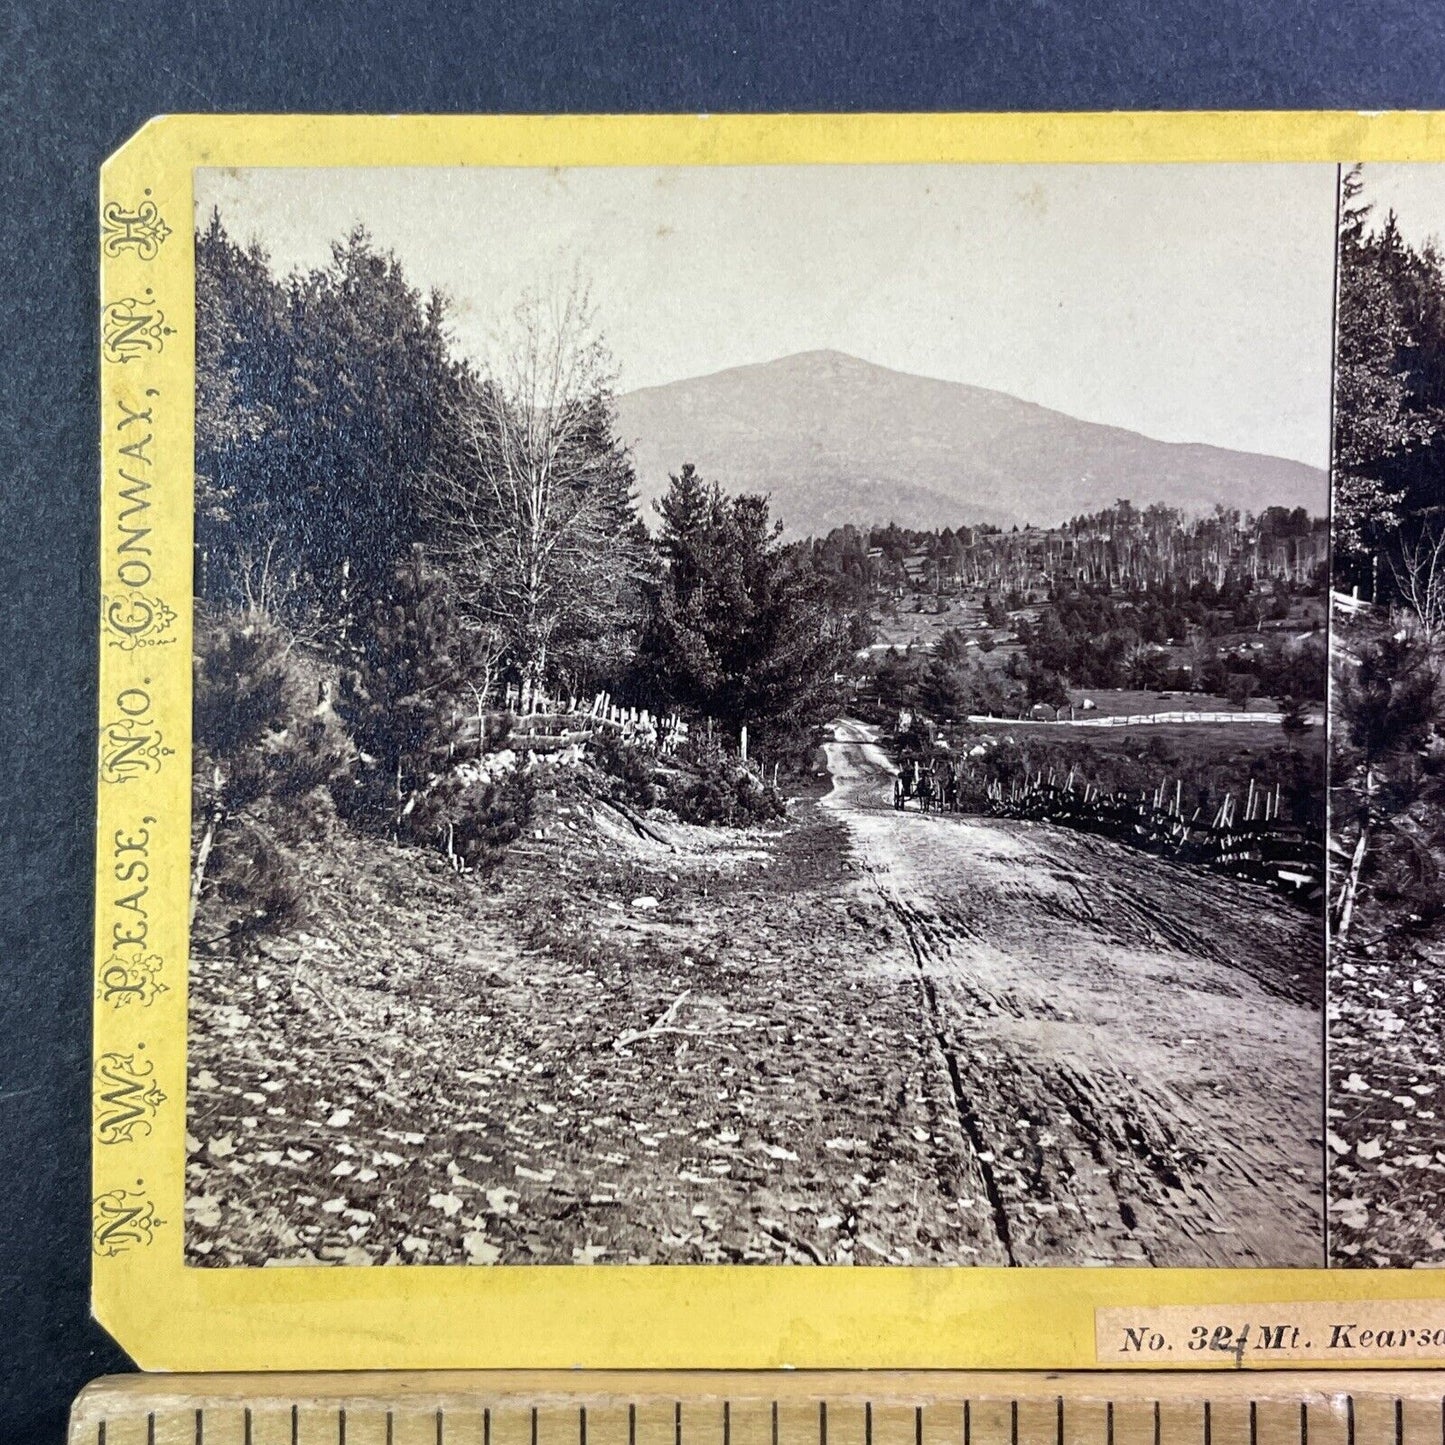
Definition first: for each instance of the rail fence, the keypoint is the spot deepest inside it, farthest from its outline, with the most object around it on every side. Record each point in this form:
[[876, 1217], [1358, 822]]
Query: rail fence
[[549, 724], [1244, 836], [1350, 603]]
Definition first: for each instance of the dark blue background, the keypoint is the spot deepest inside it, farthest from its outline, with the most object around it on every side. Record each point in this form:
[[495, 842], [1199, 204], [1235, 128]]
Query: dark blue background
[[76, 81]]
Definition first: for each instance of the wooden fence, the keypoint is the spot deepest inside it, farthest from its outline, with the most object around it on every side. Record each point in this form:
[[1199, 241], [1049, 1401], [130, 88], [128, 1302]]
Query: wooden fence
[[1351, 604], [1245, 836], [549, 724]]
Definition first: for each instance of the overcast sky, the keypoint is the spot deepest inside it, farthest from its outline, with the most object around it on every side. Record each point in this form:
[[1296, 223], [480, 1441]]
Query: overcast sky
[[1417, 195], [1191, 303]]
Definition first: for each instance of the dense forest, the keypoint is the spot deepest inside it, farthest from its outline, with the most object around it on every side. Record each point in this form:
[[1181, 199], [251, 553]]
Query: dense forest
[[1122, 547], [1390, 387]]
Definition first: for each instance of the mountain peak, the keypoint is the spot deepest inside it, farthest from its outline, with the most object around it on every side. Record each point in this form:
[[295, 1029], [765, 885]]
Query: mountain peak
[[826, 358], [833, 438]]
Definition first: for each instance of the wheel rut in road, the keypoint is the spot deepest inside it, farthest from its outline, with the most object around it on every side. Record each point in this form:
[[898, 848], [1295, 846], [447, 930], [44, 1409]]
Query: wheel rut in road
[[1130, 1047], [967, 1122]]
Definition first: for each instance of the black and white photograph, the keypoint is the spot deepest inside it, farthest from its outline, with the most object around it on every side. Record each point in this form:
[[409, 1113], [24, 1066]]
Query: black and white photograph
[[1387, 735], [780, 714]]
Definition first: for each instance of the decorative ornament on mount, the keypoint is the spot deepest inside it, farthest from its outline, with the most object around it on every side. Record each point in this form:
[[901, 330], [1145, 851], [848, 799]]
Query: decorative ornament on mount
[[133, 327], [139, 620], [123, 1219], [130, 980], [130, 746], [142, 229], [126, 1097]]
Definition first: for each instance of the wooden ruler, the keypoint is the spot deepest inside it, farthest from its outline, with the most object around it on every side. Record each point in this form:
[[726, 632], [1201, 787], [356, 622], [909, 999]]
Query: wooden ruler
[[1404, 1407]]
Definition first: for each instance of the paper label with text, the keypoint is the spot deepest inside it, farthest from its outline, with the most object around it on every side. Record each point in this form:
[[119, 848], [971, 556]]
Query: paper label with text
[[1350, 1332]]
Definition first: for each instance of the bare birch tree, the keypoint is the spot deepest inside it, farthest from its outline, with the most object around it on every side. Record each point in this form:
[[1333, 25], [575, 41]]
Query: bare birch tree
[[533, 514], [1420, 579]]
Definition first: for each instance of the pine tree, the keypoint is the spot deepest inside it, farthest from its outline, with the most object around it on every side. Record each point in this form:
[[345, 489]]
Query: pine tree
[[1374, 420], [1294, 721], [402, 696], [319, 406], [1390, 700], [256, 748], [739, 628]]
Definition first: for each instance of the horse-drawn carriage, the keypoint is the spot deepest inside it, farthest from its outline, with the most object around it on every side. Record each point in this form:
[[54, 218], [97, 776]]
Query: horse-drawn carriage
[[932, 781]]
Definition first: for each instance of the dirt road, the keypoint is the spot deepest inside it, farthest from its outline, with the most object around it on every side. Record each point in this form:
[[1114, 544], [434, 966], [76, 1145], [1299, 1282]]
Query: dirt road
[[1129, 1044], [851, 1037]]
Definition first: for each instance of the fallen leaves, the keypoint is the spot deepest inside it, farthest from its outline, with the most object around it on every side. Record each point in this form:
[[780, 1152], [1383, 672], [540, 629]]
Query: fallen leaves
[[778, 1151], [479, 1249], [1386, 1029], [469, 1119]]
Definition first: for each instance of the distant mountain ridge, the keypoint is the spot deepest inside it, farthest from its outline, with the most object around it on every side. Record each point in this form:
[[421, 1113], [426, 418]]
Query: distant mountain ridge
[[834, 439]]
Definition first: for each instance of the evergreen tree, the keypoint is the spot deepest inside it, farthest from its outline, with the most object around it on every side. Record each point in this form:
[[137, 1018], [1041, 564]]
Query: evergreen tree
[[1293, 719], [739, 627], [945, 692], [257, 746], [319, 402], [1373, 417], [1389, 701], [403, 697]]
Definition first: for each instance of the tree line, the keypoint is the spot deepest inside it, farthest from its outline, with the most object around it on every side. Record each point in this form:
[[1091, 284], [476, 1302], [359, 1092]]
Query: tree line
[[1169, 635], [1123, 548]]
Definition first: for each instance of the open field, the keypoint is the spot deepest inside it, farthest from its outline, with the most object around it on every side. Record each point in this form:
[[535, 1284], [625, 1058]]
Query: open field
[[1234, 749], [1123, 702], [1166, 740]]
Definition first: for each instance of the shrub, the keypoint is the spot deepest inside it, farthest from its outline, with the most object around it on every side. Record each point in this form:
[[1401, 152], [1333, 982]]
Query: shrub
[[630, 769], [261, 750], [1159, 750], [788, 749], [488, 817], [1391, 700], [1404, 873], [254, 882], [399, 698], [711, 787], [242, 684], [472, 820]]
